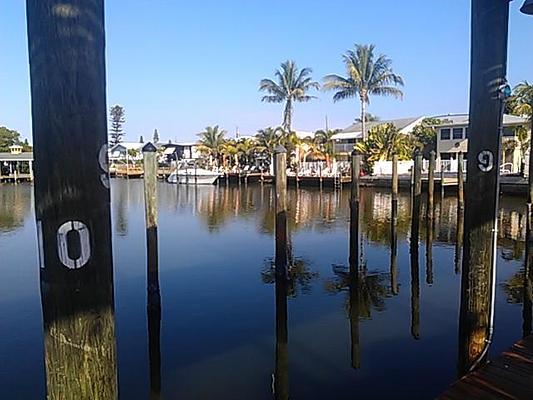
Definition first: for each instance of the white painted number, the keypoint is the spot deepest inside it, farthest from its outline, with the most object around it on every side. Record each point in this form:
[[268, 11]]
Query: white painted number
[[62, 244], [485, 161]]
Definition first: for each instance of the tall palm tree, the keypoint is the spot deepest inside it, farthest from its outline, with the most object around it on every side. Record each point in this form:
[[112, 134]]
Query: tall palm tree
[[211, 141], [366, 76], [522, 99], [292, 86]]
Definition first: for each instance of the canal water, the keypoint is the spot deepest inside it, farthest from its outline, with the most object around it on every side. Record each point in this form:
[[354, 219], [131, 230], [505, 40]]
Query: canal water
[[218, 303]]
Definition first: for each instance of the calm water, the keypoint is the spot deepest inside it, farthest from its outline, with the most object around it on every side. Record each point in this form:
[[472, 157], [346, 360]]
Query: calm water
[[218, 322]]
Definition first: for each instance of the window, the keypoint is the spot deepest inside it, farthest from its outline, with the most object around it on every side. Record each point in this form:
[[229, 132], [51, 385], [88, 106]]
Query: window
[[445, 134], [508, 132], [457, 133]]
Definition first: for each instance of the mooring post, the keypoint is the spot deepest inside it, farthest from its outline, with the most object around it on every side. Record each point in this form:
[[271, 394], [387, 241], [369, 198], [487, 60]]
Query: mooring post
[[431, 186], [488, 87], [394, 224], [153, 292], [441, 182], [415, 228], [72, 201], [354, 205], [281, 373], [460, 183], [459, 241], [527, 309]]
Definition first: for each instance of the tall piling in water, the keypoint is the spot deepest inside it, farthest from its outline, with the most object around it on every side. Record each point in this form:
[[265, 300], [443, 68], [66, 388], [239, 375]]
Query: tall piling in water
[[415, 227], [355, 195], [72, 199], [153, 306], [281, 373], [490, 19], [394, 227], [431, 186], [460, 183]]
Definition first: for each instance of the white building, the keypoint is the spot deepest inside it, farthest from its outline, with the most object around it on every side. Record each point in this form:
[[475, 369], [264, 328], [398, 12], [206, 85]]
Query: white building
[[452, 138]]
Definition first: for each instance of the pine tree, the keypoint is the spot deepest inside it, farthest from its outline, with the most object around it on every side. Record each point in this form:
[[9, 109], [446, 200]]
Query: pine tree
[[141, 139], [156, 136]]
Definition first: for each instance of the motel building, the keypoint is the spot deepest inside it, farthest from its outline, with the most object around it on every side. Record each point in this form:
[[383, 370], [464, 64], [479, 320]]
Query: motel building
[[452, 138]]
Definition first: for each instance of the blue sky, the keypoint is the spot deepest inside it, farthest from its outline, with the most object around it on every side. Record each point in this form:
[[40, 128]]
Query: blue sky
[[179, 66]]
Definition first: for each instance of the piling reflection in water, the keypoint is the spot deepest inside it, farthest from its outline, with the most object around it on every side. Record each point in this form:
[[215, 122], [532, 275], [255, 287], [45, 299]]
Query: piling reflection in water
[[154, 313], [394, 249]]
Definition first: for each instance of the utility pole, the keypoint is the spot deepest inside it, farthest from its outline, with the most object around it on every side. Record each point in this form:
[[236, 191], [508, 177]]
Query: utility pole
[[490, 19], [72, 202]]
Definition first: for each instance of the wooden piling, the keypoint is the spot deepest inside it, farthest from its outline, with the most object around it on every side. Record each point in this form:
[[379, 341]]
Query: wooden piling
[[72, 201], [459, 240], [441, 182], [355, 195], [415, 227], [431, 186], [460, 183], [280, 172], [153, 292], [490, 19], [281, 373], [394, 226], [527, 308]]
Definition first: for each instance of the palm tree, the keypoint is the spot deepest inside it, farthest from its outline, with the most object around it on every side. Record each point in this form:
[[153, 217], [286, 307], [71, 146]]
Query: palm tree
[[521, 102], [211, 141], [267, 140], [383, 142], [246, 149], [323, 138], [292, 86], [366, 77]]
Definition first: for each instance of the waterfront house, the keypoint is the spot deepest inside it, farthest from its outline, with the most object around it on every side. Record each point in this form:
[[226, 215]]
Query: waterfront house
[[345, 140], [180, 151], [16, 164], [452, 138], [123, 151]]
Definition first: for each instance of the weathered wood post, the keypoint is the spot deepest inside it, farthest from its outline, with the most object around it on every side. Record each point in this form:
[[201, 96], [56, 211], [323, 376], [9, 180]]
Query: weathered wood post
[[431, 186], [490, 19], [528, 279], [281, 374], [429, 251], [280, 172], [441, 182], [153, 306], [355, 194], [415, 227], [417, 193], [394, 226], [460, 183], [67, 70], [459, 241]]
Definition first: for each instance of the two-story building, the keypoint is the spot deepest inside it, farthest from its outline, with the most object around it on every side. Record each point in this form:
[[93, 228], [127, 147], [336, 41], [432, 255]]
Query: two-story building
[[452, 138], [345, 140]]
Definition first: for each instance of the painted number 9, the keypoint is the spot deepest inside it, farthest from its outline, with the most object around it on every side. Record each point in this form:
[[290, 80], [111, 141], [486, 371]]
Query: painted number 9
[[70, 231], [485, 161]]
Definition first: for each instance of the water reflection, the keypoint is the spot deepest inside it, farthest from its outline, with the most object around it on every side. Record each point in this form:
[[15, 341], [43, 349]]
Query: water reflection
[[15, 206]]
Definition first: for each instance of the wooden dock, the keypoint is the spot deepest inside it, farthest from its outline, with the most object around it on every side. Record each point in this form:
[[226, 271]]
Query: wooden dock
[[510, 376]]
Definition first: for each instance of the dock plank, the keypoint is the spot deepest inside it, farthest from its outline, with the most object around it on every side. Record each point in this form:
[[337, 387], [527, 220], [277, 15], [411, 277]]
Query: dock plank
[[509, 376]]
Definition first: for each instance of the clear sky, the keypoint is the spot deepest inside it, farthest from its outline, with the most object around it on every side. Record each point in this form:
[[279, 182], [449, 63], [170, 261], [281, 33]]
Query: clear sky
[[179, 66]]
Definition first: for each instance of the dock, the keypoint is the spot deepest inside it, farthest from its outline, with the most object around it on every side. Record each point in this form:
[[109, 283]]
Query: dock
[[509, 376]]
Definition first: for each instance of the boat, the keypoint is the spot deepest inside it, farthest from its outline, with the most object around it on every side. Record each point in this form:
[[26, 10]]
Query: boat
[[193, 176]]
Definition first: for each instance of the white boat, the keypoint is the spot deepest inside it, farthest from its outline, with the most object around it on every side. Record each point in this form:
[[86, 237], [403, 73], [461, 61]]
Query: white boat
[[193, 176]]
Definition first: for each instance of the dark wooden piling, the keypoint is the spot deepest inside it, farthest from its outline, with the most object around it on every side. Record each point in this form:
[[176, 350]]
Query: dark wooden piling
[[429, 251], [280, 172], [460, 183], [527, 309], [153, 307], [394, 227], [281, 373], [431, 186], [441, 182], [355, 194], [72, 202], [415, 227], [490, 19], [459, 241]]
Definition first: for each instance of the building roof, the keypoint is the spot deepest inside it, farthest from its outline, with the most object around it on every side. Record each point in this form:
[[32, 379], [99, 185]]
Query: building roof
[[354, 131], [129, 145], [462, 120], [28, 156]]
